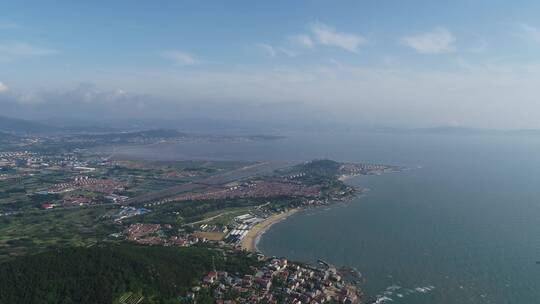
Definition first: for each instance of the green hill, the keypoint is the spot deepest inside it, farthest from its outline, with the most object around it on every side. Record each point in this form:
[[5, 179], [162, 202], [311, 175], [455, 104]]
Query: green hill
[[102, 274]]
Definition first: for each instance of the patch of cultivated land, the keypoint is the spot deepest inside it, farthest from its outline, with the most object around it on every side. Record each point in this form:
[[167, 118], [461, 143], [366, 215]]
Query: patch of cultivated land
[[39, 230]]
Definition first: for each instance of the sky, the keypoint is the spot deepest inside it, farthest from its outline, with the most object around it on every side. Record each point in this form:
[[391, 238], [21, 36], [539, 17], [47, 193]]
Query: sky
[[372, 63]]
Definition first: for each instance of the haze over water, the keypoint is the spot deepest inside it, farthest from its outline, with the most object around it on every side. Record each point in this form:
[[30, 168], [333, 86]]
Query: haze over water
[[464, 219]]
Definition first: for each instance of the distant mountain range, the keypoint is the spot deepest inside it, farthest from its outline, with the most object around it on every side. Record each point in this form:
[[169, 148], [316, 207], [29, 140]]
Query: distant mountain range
[[15, 125], [74, 126]]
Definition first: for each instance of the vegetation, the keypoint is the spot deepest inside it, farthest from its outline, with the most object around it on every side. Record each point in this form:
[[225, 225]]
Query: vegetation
[[322, 172], [77, 256], [126, 136], [39, 230], [101, 274], [190, 211], [324, 167], [20, 193]]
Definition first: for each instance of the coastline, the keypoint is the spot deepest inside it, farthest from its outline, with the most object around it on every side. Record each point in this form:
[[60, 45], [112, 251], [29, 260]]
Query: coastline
[[249, 243], [345, 177]]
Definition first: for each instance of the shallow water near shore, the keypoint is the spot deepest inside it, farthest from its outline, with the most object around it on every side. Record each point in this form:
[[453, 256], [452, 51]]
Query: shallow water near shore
[[462, 226]]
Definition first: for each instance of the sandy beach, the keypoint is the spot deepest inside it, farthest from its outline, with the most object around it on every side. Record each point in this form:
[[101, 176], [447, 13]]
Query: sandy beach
[[249, 242]]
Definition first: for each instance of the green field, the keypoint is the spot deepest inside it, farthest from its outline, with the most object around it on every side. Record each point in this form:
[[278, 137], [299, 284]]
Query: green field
[[44, 229]]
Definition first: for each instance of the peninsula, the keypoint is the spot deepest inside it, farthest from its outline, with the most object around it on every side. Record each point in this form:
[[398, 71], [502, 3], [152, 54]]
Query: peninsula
[[83, 205]]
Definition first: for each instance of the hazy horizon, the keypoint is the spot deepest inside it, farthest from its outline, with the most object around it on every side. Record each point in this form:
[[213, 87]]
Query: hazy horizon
[[278, 151], [414, 64]]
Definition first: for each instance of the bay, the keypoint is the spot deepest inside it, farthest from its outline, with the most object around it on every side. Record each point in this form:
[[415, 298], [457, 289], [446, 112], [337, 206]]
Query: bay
[[462, 225]]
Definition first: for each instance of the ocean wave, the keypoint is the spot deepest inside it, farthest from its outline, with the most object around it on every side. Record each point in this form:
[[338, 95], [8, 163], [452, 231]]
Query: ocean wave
[[391, 292], [383, 299]]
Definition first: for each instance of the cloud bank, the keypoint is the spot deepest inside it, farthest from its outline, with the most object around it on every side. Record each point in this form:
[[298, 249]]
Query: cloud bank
[[439, 40], [327, 35], [17, 49], [179, 58], [302, 40], [528, 32], [352, 94]]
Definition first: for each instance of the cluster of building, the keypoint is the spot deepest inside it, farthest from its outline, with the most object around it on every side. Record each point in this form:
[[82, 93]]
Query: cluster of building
[[82, 200], [18, 164], [6, 176], [107, 186], [116, 199], [295, 176], [90, 186], [17, 158], [352, 169], [240, 227], [32, 160], [153, 234], [71, 201], [127, 212], [258, 189], [138, 231], [182, 174], [78, 200], [280, 281], [14, 154]]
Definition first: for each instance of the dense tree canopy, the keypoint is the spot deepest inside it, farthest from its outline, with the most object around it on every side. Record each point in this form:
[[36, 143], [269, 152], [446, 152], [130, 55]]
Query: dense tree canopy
[[100, 274]]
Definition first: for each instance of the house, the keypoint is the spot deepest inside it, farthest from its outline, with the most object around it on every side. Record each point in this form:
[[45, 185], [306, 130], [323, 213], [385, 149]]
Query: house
[[264, 283], [47, 205], [210, 278]]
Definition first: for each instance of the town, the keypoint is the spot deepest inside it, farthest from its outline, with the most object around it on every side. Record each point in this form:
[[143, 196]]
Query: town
[[280, 281], [84, 197]]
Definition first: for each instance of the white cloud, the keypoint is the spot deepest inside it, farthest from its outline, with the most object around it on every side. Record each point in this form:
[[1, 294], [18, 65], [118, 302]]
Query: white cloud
[[303, 40], [439, 40], [321, 34], [327, 35], [179, 57], [268, 49], [273, 51], [373, 95], [3, 87], [16, 49], [528, 32]]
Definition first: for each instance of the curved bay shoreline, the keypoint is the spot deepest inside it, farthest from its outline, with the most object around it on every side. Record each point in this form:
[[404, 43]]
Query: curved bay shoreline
[[251, 240]]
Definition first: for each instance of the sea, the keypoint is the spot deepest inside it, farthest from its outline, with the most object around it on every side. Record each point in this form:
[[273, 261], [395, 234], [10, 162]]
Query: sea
[[461, 224]]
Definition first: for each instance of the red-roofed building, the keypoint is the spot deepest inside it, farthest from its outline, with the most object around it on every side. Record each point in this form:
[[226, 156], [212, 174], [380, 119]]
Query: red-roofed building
[[47, 205], [210, 277]]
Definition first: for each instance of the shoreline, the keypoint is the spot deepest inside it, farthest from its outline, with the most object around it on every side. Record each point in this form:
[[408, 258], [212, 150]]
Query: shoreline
[[250, 241], [345, 177], [252, 238]]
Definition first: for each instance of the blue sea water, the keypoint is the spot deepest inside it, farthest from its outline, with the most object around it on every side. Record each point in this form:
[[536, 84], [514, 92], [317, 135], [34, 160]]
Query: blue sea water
[[462, 225]]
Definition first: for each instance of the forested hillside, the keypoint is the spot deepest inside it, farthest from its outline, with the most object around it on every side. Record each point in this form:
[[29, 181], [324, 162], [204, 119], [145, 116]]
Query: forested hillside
[[101, 274]]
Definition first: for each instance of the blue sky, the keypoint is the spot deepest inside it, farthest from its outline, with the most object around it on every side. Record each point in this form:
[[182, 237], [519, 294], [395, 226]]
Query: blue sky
[[411, 63]]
